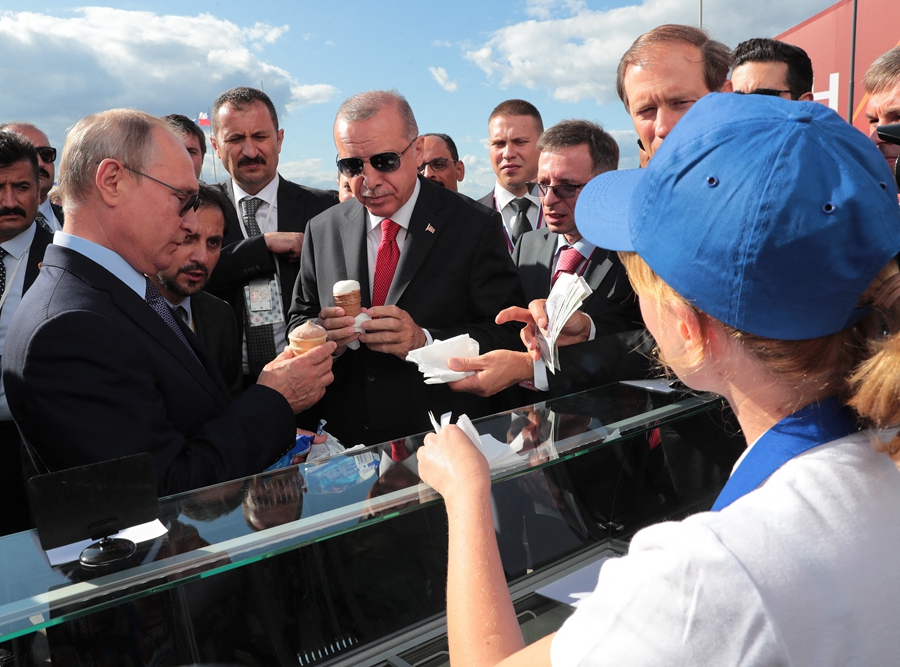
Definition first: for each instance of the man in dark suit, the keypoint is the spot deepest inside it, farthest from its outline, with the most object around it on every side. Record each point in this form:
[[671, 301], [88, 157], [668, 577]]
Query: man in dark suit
[[513, 128], [430, 264], [572, 153], [182, 287], [97, 367], [266, 222], [48, 213], [22, 245]]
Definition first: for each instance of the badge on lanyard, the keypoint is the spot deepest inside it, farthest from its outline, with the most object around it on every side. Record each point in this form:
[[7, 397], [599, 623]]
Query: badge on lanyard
[[262, 298]]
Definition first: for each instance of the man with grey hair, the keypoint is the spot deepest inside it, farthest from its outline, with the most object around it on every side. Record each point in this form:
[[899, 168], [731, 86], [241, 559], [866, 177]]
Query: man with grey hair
[[431, 265], [572, 152], [882, 82], [49, 215], [97, 367]]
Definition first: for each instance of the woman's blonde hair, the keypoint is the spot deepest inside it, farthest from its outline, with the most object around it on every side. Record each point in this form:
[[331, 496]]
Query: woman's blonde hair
[[860, 363]]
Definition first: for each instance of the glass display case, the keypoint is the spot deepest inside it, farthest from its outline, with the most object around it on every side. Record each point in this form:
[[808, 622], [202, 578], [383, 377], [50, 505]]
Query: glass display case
[[344, 560]]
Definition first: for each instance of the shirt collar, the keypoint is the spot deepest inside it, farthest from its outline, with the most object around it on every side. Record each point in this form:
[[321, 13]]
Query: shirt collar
[[268, 194], [20, 243], [586, 248], [504, 196], [403, 214], [109, 260]]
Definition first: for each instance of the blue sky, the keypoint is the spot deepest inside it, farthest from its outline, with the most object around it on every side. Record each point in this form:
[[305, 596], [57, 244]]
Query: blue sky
[[453, 61]]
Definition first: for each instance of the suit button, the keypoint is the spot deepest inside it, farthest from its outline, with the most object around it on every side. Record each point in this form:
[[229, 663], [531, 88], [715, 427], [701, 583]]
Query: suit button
[[371, 377]]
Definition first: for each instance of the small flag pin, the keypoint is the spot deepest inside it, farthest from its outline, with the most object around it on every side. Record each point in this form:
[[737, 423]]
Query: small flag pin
[[429, 228]]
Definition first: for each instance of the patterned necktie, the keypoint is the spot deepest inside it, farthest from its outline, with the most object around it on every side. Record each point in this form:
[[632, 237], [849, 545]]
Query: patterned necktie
[[181, 311], [3, 254], [521, 223], [41, 219], [386, 262], [156, 302], [260, 339], [569, 260]]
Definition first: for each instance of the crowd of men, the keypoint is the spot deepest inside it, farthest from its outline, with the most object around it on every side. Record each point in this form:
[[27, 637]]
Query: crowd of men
[[150, 312]]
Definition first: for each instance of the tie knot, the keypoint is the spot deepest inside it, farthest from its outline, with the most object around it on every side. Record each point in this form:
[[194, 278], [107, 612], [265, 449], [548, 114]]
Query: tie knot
[[389, 230], [249, 206], [520, 204]]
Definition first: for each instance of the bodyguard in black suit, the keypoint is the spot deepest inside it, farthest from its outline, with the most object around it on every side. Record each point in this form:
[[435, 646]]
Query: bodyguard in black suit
[[22, 245], [50, 214], [572, 152], [96, 365], [452, 276], [247, 140]]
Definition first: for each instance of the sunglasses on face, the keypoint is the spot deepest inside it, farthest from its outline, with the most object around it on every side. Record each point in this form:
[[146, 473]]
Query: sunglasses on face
[[384, 162], [46, 153], [192, 201], [770, 92], [562, 191], [437, 164]]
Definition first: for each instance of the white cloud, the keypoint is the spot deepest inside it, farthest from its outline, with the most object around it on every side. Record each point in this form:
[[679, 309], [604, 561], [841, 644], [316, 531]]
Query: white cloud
[[480, 177], [575, 56], [442, 42], [311, 171], [440, 75], [97, 58]]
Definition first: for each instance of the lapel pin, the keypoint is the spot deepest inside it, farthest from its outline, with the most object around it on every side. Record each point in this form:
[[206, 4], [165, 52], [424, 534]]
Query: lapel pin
[[429, 228]]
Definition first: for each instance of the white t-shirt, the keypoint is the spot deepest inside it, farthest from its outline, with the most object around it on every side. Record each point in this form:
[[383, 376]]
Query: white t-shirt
[[805, 570]]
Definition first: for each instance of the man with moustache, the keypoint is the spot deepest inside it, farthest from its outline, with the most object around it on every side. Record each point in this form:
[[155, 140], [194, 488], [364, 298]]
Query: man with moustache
[[513, 128], [182, 287], [440, 161], [260, 260], [431, 265], [48, 213], [882, 82], [22, 245]]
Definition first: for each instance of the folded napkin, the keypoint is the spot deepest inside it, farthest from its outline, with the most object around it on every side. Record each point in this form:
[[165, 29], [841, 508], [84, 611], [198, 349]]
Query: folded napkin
[[362, 317], [498, 454], [432, 359]]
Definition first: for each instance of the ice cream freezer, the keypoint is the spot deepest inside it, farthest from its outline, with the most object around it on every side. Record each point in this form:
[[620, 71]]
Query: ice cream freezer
[[343, 561]]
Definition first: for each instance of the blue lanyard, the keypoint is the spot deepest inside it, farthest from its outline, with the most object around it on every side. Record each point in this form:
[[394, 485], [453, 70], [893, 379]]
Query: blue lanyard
[[809, 427]]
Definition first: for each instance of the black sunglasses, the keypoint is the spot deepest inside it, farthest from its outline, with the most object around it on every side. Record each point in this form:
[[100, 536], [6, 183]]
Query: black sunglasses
[[193, 200], [385, 162], [46, 153], [437, 164], [770, 92], [563, 190]]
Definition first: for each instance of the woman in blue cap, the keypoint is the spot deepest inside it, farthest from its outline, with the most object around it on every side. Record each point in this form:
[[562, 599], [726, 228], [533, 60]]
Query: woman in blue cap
[[761, 242]]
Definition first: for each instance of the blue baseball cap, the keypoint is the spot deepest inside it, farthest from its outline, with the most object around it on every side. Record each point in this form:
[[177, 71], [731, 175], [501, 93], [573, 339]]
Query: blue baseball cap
[[771, 215]]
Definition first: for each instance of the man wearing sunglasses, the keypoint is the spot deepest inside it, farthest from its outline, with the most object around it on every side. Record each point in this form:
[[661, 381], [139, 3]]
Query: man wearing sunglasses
[[431, 265], [572, 153], [882, 82], [96, 365], [47, 212], [769, 67], [440, 161]]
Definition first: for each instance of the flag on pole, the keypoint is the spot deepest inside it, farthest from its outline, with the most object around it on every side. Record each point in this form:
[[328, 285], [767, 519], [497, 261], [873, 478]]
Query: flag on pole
[[203, 119]]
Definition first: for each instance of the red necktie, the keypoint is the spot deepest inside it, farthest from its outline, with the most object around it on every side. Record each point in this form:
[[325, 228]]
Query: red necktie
[[386, 262], [569, 260]]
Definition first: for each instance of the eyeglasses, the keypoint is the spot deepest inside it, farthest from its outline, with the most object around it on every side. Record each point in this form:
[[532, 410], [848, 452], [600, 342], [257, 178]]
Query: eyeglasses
[[46, 153], [384, 162], [437, 164], [193, 200], [770, 92], [563, 190]]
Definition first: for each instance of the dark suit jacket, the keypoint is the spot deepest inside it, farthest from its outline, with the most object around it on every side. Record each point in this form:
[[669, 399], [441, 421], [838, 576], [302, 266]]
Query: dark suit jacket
[[488, 200], [58, 212], [452, 280], [244, 259], [217, 329], [621, 348], [42, 238], [93, 373]]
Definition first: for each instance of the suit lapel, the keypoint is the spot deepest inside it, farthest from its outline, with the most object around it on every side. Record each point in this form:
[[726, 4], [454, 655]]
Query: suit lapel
[[546, 253], [354, 228], [425, 226], [598, 268], [42, 238]]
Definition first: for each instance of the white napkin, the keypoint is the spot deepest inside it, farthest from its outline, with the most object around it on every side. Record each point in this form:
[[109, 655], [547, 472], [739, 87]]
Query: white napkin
[[498, 454], [362, 317], [432, 359]]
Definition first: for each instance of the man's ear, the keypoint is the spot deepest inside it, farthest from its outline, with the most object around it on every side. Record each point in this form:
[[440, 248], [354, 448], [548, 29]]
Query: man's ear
[[460, 171], [215, 146], [109, 181], [806, 97], [727, 87]]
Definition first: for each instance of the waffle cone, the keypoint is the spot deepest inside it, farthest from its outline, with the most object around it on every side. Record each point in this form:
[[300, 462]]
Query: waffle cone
[[349, 302]]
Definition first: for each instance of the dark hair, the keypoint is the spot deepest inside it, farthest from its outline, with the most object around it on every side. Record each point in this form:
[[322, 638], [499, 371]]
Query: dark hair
[[241, 98], [518, 108], [762, 50], [717, 57], [884, 73], [14, 148], [447, 140], [602, 147], [212, 196], [187, 126]]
